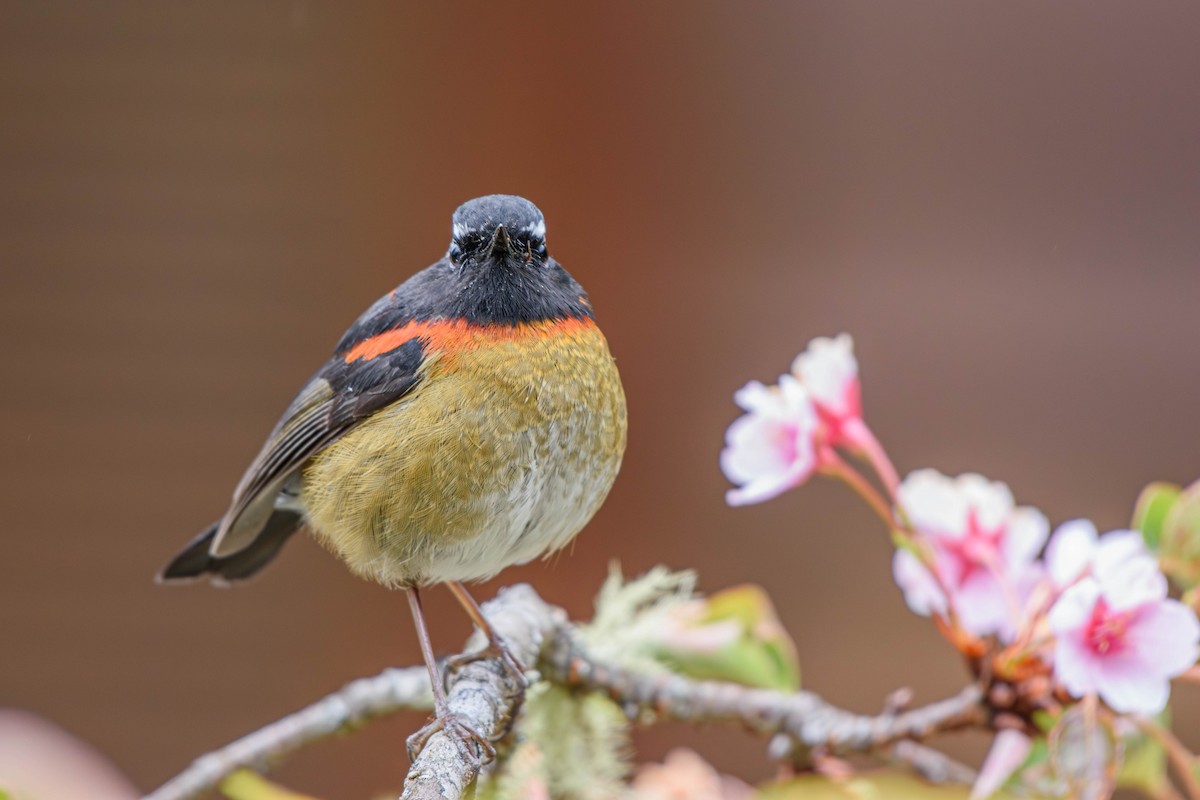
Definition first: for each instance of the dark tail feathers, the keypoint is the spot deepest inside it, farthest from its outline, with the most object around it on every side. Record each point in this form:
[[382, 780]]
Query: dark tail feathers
[[195, 561]]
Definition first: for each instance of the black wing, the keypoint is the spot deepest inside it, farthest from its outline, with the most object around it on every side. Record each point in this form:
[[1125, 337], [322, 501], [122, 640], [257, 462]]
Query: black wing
[[343, 393]]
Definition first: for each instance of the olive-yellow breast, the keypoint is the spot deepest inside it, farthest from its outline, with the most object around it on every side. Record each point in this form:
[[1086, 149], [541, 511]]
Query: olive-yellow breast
[[504, 454], [470, 419]]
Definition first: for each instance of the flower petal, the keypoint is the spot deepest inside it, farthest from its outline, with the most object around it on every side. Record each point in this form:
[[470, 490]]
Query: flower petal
[[757, 446], [758, 398], [1165, 637], [769, 449], [1128, 688], [921, 591], [1074, 608], [992, 501], [1008, 752], [1074, 666], [1024, 537], [797, 400], [829, 370], [933, 504], [984, 607], [763, 488], [1133, 583], [1069, 553], [1114, 549]]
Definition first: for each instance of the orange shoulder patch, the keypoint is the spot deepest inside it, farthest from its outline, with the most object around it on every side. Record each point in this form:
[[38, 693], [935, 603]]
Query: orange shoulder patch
[[453, 335]]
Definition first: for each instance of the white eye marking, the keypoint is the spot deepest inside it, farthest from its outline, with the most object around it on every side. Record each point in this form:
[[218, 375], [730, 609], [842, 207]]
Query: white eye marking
[[459, 230], [536, 229]]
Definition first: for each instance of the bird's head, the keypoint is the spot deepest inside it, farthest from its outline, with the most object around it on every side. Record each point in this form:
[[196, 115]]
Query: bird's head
[[498, 229]]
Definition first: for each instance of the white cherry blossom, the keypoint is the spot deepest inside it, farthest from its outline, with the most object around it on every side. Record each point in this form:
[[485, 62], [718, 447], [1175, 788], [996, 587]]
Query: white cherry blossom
[[984, 551], [770, 448], [829, 371], [1075, 550], [1118, 635]]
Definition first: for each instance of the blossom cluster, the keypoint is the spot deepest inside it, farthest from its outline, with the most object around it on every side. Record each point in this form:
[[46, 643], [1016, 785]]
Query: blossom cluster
[[1101, 600], [790, 429], [1095, 609]]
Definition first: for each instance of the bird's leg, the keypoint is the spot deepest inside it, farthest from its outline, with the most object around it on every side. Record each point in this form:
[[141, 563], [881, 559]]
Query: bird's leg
[[496, 645], [444, 719]]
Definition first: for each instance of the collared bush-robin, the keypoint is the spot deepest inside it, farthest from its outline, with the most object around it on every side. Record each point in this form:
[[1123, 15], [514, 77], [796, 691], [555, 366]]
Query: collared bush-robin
[[471, 419]]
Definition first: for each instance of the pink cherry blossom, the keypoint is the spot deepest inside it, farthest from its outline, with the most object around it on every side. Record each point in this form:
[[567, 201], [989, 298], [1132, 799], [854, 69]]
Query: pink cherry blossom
[[1119, 635], [829, 371], [1075, 550], [984, 551], [771, 448]]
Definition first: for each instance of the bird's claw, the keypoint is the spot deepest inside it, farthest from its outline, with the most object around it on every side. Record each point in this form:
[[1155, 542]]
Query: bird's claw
[[513, 669], [474, 746]]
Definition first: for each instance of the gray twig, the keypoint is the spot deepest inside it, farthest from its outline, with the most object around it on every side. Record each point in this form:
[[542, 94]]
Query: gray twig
[[805, 718]]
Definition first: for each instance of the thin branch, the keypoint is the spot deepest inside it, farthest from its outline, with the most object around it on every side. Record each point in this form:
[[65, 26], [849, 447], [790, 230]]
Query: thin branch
[[803, 717], [872, 449], [839, 468], [932, 765], [482, 696], [354, 704]]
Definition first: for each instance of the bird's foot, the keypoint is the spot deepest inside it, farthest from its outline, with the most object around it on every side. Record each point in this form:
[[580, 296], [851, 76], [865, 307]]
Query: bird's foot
[[474, 746], [513, 669]]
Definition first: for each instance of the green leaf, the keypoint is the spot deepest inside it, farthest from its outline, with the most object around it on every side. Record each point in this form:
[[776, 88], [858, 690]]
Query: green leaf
[[732, 635], [1150, 513], [247, 785], [1040, 754], [882, 785], [1179, 544], [1045, 720]]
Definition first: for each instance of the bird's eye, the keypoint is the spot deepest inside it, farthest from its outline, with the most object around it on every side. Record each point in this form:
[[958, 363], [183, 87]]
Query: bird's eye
[[532, 246], [523, 246], [468, 242]]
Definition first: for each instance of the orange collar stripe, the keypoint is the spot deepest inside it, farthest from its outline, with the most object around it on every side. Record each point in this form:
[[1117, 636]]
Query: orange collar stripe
[[456, 334]]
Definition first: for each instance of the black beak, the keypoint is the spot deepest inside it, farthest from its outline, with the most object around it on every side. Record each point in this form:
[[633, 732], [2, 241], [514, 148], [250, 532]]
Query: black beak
[[501, 244]]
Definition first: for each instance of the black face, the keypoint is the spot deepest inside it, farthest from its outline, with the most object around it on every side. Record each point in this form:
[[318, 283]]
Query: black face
[[498, 228], [496, 273]]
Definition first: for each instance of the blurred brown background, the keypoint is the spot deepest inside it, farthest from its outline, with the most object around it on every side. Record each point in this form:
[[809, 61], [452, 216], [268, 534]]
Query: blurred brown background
[[1000, 201]]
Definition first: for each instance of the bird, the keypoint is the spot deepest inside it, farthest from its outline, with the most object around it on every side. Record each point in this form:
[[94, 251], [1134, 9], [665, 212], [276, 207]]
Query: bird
[[471, 419]]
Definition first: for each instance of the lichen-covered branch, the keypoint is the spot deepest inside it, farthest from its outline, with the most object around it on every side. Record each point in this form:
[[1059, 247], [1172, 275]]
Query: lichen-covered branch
[[481, 694], [803, 717]]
